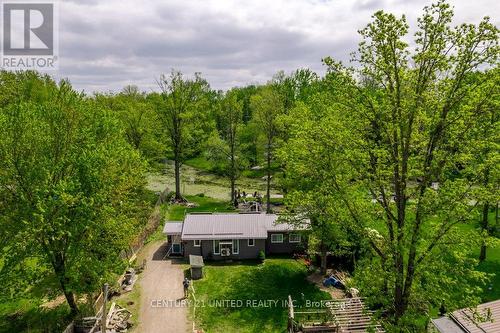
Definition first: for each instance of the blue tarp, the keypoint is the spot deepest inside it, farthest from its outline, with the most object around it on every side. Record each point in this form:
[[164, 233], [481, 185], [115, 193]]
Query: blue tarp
[[331, 281]]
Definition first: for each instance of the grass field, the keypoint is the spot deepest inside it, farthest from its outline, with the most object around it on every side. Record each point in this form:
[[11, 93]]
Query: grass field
[[492, 263], [195, 181], [205, 204], [274, 280], [25, 315]]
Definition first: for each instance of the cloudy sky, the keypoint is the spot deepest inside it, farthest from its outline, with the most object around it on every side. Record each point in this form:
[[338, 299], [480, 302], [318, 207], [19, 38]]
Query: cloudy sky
[[105, 45]]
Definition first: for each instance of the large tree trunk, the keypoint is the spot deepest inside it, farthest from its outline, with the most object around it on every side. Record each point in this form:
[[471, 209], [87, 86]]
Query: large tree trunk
[[399, 306], [177, 171], [60, 270], [268, 190], [233, 198], [400, 294], [323, 258], [484, 226], [70, 298], [233, 173]]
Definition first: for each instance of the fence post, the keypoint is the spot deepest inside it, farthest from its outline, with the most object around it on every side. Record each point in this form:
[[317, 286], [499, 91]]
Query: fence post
[[104, 317], [291, 315]]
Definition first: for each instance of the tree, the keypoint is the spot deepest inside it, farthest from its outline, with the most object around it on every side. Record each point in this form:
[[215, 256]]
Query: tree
[[484, 157], [408, 118], [300, 85], [311, 158], [225, 146], [139, 120], [67, 176], [180, 108], [267, 106]]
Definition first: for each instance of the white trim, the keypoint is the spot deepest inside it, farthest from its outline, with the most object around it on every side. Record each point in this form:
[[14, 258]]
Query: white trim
[[253, 242], [213, 246], [295, 241], [237, 247], [197, 241], [276, 242]]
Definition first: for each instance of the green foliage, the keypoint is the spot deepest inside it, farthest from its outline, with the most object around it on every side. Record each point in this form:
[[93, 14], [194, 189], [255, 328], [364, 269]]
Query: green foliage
[[184, 109], [68, 179], [262, 255], [394, 162], [267, 106], [27, 316], [224, 146], [369, 146], [138, 120]]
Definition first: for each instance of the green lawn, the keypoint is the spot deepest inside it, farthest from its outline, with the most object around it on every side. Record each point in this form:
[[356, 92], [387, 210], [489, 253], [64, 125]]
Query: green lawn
[[492, 266], [205, 204], [245, 281], [26, 315], [200, 163], [492, 263]]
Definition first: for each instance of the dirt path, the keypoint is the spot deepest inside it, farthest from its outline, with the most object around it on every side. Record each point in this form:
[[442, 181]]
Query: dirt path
[[161, 293]]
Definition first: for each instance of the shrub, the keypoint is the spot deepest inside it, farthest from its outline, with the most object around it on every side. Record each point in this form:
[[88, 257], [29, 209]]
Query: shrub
[[262, 255]]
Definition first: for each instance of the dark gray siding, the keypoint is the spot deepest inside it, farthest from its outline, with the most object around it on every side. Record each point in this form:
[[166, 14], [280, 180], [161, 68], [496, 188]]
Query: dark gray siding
[[251, 252], [206, 249], [246, 252], [283, 248]]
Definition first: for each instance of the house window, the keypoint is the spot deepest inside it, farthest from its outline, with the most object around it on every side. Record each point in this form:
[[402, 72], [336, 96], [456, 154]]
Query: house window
[[276, 238], [236, 246], [197, 243], [216, 247], [294, 238], [251, 242]]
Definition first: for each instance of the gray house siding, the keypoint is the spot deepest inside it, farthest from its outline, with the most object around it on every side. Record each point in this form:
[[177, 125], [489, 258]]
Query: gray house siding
[[206, 250], [189, 248], [203, 250], [283, 248], [245, 251]]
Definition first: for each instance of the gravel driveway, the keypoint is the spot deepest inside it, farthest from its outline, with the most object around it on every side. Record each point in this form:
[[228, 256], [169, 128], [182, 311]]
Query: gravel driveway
[[162, 307]]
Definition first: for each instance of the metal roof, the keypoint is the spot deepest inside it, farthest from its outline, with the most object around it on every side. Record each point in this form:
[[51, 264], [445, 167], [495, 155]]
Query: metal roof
[[446, 325], [485, 318], [231, 226], [172, 228], [468, 318]]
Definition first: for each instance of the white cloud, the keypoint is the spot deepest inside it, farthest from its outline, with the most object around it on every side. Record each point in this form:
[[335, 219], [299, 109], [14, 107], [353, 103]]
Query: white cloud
[[106, 45]]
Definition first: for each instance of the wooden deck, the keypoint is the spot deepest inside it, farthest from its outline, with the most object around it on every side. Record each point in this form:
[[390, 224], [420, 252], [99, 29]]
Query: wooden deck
[[351, 315], [348, 315]]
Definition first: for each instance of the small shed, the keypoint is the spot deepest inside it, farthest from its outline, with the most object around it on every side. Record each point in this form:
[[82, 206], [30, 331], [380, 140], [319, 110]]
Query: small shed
[[196, 263]]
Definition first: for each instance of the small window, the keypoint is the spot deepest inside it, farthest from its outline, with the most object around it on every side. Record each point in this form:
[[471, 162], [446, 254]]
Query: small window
[[294, 238], [197, 243], [236, 246], [251, 242], [276, 238], [216, 247]]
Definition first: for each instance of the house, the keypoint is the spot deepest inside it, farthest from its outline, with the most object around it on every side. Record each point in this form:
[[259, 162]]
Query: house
[[232, 235], [485, 318]]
